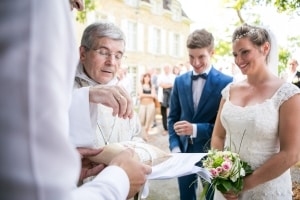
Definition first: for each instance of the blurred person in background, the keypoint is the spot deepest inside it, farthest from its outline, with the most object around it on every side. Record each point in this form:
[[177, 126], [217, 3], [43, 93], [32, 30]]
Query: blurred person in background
[[291, 74], [147, 95], [165, 82], [176, 70], [154, 76], [125, 79]]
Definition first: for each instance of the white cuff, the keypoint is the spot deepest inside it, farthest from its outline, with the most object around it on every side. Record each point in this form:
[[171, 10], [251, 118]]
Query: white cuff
[[194, 135]]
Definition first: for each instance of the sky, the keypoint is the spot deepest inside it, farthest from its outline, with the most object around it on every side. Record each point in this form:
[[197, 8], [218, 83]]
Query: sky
[[212, 15]]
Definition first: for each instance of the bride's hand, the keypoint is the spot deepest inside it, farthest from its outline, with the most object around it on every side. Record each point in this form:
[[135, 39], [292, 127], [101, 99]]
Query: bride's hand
[[231, 195]]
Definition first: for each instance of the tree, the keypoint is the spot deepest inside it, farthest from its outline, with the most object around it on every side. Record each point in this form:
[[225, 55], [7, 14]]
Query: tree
[[288, 6], [284, 55], [283, 5], [90, 5]]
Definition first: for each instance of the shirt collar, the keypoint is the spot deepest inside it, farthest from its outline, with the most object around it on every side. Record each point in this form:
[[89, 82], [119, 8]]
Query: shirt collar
[[206, 71]]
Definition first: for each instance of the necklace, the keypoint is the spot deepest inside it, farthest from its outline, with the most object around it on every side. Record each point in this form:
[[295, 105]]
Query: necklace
[[107, 139]]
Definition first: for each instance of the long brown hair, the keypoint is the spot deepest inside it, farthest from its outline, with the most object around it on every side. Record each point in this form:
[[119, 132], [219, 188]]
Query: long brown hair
[[143, 79]]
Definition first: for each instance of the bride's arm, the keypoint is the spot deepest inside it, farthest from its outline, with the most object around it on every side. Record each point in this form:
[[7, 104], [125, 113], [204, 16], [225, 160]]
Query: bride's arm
[[218, 135], [289, 137]]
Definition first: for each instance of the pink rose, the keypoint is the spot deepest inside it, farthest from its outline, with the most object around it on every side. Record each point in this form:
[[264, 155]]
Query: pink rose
[[214, 172], [226, 166]]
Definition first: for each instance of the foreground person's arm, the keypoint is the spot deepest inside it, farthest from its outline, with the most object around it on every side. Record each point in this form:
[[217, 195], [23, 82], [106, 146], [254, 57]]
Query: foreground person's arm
[[122, 179]]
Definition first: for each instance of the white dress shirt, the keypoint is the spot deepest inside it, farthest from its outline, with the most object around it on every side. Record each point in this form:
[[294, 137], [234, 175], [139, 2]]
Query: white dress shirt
[[199, 84]]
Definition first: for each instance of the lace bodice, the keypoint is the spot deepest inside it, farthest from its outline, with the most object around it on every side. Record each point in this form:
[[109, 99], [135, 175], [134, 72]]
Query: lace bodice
[[252, 131]]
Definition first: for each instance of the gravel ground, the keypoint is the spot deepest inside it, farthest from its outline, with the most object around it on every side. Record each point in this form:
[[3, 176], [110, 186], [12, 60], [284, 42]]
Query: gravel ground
[[295, 172]]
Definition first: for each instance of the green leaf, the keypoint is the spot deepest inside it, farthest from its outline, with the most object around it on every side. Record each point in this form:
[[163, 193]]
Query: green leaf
[[203, 193]]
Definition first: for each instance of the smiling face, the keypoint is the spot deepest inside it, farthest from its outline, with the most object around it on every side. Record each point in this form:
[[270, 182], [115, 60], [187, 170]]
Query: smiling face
[[101, 62], [249, 57], [200, 59]]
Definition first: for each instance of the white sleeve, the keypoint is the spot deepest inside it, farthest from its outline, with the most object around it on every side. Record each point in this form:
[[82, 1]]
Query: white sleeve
[[112, 183], [82, 117], [35, 92]]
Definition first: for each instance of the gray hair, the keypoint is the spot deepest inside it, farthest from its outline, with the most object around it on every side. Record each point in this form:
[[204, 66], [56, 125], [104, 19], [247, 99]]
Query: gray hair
[[99, 30]]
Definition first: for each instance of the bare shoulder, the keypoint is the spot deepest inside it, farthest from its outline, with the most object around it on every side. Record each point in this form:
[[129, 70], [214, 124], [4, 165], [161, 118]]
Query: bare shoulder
[[237, 86]]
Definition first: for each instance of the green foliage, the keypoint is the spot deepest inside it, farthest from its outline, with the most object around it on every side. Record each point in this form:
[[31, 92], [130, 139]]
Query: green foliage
[[224, 186], [223, 48], [90, 5], [285, 5], [281, 5], [284, 56]]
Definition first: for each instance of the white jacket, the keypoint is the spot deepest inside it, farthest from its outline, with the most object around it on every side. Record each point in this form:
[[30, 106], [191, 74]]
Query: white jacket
[[38, 57]]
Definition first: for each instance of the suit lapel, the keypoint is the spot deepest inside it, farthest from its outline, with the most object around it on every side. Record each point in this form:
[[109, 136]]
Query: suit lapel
[[189, 92]]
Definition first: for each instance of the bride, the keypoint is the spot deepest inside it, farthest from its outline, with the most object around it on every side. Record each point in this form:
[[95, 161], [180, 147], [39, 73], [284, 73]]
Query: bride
[[259, 118]]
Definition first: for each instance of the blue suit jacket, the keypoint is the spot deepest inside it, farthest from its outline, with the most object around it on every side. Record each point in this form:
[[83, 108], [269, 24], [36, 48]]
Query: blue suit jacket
[[181, 108]]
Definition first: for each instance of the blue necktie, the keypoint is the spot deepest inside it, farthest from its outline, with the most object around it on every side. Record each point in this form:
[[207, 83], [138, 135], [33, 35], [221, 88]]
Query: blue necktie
[[195, 77]]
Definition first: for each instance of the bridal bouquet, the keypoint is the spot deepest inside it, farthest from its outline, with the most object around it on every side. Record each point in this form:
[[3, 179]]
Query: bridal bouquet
[[226, 169]]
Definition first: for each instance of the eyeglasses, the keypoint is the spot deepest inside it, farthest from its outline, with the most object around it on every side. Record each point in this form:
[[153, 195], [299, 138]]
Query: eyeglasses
[[104, 52]]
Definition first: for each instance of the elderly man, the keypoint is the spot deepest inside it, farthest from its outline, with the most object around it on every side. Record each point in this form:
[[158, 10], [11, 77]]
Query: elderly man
[[92, 124]]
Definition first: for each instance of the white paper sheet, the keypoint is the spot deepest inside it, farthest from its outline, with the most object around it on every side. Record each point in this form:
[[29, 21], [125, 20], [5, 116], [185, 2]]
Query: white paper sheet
[[179, 164]]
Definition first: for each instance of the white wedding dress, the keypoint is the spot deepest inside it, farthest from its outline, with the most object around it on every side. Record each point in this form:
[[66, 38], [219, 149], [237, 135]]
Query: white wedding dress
[[252, 131]]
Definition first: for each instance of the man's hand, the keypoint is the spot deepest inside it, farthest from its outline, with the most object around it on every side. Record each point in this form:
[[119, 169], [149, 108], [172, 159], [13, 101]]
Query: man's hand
[[113, 96], [135, 170], [89, 168], [183, 128]]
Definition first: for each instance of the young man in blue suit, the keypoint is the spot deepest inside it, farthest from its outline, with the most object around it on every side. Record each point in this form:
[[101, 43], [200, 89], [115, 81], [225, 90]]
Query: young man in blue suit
[[194, 105]]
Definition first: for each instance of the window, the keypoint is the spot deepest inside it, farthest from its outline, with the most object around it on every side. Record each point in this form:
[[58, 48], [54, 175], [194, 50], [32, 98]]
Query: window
[[176, 45], [131, 36], [157, 7], [176, 14], [156, 40], [134, 34]]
